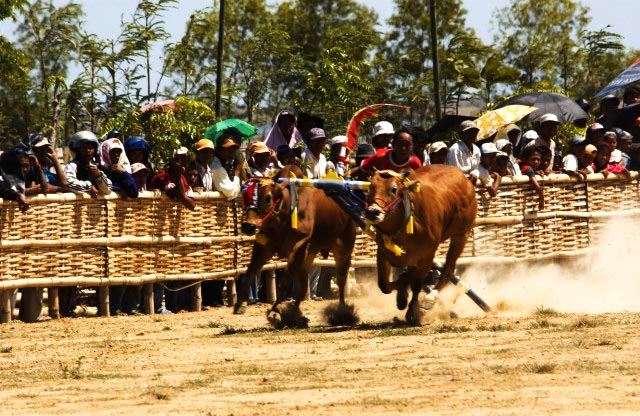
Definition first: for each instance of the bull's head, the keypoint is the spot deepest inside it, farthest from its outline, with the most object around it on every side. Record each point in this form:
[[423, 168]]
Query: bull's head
[[262, 201], [386, 192]]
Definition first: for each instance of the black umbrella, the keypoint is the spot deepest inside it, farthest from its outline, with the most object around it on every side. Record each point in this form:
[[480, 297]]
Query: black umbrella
[[548, 102], [449, 122], [625, 118]]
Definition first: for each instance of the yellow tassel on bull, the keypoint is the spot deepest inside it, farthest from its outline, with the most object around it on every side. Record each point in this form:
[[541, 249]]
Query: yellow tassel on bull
[[410, 224], [294, 218]]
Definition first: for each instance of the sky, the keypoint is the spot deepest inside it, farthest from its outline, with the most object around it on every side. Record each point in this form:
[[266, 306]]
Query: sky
[[105, 21]]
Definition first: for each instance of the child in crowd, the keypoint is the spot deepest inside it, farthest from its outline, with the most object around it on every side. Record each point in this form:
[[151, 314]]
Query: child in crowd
[[602, 163], [502, 165], [489, 179], [529, 165], [115, 164], [438, 153], [585, 163], [82, 173], [625, 141], [507, 146], [611, 138], [546, 158]]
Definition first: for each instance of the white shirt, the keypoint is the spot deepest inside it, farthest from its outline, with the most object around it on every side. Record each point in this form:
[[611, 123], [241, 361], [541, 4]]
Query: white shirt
[[221, 182], [467, 160], [485, 176], [318, 166], [206, 175], [570, 162]]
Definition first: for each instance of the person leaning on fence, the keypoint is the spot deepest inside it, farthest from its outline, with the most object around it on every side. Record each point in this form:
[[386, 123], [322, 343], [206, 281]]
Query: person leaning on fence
[[398, 158], [602, 162], [115, 164], [611, 138], [259, 160], [338, 160], [140, 174], [547, 130], [313, 161], [507, 147], [83, 174], [465, 154], [489, 179], [501, 166], [172, 181], [571, 160], [138, 151], [40, 178], [528, 166], [625, 141]]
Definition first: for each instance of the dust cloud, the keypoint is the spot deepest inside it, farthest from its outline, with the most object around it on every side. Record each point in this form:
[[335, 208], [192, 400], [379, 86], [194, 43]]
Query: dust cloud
[[605, 279]]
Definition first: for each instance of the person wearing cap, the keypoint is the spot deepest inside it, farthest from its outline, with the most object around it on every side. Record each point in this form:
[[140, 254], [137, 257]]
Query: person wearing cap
[[46, 174], [260, 160], [465, 154], [82, 173], [489, 179], [570, 161], [337, 160], [140, 174], [438, 152], [205, 152], [506, 146], [115, 164], [585, 163], [382, 135], [398, 158], [224, 170], [547, 131], [314, 162]]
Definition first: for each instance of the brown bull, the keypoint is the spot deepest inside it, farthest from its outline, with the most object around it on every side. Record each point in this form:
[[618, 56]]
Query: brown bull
[[442, 204], [322, 226]]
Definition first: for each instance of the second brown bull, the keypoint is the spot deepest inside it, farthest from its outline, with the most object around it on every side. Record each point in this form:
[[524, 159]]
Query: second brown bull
[[413, 212]]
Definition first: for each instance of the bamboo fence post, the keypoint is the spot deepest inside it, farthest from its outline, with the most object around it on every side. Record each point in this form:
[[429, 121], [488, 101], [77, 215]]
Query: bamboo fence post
[[232, 295], [5, 306], [271, 286], [103, 301], [196, 299], [147, 298], [53, 302]]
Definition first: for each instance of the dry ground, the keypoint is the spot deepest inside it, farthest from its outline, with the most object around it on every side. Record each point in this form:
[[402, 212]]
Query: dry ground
[[539, 362]]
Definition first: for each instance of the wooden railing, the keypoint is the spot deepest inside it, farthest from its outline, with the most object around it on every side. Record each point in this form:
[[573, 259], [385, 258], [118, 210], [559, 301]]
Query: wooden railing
[[75, 240]]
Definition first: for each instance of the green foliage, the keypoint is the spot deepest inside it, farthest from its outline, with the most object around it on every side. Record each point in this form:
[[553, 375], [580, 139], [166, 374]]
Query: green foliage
[[164, 129]]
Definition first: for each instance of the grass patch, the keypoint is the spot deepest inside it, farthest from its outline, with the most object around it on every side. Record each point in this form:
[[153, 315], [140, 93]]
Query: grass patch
[[159, 395], [540, 368], [584, 322], [213, 324], [6, 350], [446, 328], [394, 332], [494, 327], [542, 311], [74, 372], [540, 324], [500, 369]]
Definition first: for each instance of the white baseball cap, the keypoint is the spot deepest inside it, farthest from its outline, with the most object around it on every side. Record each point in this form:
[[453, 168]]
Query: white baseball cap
[[489, 148], [382, 127]]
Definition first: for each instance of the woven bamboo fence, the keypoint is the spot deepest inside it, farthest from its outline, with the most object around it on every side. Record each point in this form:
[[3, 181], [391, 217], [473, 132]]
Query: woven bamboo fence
[[72, 240]]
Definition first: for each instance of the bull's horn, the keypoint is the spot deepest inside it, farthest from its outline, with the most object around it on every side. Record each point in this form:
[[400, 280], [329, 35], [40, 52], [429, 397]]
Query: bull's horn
[[405, 173]]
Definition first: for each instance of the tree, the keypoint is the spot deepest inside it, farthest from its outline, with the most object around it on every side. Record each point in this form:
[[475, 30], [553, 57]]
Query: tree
[[496, 72], [49, 35], [139, 35], [404, 63], [540, 38], [601, 56]]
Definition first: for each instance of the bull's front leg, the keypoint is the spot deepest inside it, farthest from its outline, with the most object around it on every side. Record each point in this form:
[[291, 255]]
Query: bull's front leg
[[259, 256], [384, 270]]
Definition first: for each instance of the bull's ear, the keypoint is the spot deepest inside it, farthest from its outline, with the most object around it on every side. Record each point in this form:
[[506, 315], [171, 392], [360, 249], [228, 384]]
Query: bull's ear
[[373, 170]]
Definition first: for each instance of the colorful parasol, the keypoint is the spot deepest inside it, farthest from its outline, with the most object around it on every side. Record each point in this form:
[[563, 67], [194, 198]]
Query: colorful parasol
[[360, 116], [491, 121]]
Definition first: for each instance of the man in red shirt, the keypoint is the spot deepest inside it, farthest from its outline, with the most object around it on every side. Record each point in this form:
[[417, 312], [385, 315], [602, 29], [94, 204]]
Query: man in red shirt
[[398, 158]]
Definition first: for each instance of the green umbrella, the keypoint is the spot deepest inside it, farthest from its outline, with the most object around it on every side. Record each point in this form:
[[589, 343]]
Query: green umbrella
[[244, 129]]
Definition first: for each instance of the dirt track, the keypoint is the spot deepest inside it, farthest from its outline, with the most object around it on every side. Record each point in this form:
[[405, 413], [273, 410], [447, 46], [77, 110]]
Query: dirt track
[[214, 363]]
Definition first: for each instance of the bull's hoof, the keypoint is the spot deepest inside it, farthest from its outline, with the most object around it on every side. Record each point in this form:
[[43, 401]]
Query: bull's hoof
[[401, 298], [341, 314], [414, 316], [429, 300], [287, 315], [240, 308]]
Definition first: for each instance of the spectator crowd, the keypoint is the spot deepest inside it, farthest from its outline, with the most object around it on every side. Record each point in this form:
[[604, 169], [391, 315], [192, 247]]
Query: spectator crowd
[[123, 165]]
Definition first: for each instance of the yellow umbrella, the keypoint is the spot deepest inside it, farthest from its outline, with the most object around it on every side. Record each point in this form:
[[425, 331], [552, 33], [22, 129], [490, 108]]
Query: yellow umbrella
[[491, 121]]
